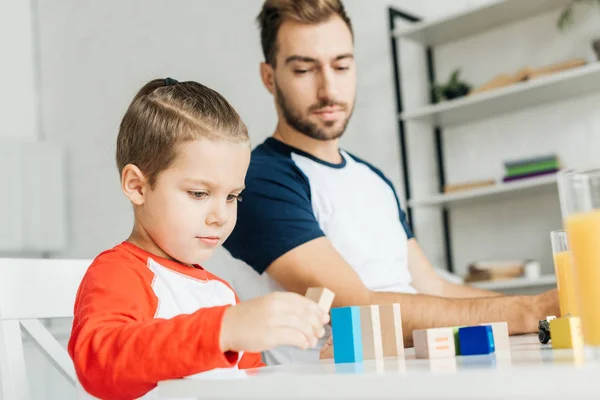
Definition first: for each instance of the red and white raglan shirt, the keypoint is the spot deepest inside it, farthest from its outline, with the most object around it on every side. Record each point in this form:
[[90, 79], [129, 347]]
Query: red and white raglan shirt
[[140, 319]]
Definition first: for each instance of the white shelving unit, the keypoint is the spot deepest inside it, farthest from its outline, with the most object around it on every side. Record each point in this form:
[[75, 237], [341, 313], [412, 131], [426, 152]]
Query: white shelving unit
[[548, 89], [560, 86], [476, 20], [473, 195]]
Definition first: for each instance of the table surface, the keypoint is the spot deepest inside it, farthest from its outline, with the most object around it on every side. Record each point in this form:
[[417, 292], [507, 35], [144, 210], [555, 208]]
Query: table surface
[[529, 370]]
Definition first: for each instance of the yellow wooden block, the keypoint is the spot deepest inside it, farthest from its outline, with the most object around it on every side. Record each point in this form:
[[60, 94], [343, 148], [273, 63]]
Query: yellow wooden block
[[566, 333]]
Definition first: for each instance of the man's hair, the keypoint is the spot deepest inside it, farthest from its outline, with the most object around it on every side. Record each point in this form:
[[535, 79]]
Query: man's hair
[[275, 12], [166, 113]]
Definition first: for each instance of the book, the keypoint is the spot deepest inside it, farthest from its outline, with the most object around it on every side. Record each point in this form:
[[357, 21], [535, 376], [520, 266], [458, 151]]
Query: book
[[531, 160], [533, 168], [528, 176]]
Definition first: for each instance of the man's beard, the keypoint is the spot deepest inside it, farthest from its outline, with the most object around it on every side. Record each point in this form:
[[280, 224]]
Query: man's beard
[[308, 128]]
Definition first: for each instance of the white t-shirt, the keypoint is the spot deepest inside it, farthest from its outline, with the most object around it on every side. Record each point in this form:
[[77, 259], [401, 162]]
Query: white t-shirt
[[291, 198]]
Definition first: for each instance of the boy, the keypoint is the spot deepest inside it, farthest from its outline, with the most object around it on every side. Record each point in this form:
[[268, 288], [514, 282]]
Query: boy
[[146, 310]]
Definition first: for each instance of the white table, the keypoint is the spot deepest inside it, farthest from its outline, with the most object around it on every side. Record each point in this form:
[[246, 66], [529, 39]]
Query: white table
[[528, 371]]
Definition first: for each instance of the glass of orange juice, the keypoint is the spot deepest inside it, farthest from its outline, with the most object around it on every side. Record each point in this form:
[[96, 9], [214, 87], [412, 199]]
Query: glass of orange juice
[[580, 204], [563, 268]]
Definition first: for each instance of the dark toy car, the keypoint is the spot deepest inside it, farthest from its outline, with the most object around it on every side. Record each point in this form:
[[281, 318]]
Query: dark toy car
[[544, 331]]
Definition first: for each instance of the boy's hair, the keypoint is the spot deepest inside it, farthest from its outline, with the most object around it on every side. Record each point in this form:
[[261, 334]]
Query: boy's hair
[[274, 12], [166, 113]]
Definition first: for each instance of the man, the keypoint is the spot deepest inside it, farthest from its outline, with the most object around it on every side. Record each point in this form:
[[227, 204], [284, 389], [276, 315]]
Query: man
[[314, 215]]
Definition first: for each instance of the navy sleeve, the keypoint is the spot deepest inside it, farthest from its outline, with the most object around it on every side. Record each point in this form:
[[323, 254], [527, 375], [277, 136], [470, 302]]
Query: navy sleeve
[[275, 214], [403, 219]]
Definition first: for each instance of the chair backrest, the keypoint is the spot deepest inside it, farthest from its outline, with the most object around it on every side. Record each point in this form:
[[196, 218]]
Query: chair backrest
[[31, 289]]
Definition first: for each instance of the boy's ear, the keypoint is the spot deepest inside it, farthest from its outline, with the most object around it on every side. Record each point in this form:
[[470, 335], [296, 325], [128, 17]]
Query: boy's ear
[[267, 75], [134, 184]]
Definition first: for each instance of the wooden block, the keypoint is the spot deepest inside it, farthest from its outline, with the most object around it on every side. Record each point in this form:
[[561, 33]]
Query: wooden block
[[347, 334], [322, 296], [391, 330], [371, 333], [475, 340], [434, 343], [500, 332], [566, 333]]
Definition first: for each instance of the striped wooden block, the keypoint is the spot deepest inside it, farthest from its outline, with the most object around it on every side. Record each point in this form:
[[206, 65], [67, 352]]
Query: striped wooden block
[[434, 343]]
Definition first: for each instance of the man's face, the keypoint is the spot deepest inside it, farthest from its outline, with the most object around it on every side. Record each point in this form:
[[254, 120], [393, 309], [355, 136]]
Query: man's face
[[315, 77]]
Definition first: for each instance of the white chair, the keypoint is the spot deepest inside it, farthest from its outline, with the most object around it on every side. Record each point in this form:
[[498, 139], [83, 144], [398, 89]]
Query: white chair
[[31, 289]]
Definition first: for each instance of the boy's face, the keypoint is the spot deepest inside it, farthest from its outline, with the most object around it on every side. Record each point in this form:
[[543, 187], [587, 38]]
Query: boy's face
[[192, 208]]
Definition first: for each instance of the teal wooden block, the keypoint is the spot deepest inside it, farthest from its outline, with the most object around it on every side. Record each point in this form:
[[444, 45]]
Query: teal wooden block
[[347, 335]]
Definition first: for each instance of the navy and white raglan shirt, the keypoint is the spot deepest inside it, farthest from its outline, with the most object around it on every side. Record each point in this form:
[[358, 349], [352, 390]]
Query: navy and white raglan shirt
[[291, 198]]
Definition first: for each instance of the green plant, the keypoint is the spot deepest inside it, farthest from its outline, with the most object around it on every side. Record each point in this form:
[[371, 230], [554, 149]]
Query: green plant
[[566, 19], [452, 89]]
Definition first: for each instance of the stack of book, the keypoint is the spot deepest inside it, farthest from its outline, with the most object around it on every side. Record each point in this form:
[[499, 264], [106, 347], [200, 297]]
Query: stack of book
[[531, 167], [501, 270]]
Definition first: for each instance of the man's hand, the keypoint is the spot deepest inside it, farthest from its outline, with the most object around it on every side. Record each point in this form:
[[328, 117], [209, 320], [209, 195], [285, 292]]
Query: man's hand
[[546, 304], [276, 319]]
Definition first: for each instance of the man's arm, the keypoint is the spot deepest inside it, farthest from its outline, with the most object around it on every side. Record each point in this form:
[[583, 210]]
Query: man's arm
[[317, 263], [427, 281]]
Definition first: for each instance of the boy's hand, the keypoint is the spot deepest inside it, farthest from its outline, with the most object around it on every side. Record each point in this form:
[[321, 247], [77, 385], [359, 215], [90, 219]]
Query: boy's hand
[[277, 319]]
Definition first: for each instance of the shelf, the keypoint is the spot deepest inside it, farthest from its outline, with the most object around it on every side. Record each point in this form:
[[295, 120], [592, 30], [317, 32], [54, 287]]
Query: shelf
[[544, 280], [559, 86], [476, 20], [476, 194]]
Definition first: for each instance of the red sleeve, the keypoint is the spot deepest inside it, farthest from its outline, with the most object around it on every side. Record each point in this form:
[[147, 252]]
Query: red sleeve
[[251, 360], [121, 351]]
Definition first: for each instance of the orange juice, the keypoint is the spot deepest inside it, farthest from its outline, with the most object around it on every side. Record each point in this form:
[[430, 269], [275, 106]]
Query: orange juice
[[565, 281], [583, 230]]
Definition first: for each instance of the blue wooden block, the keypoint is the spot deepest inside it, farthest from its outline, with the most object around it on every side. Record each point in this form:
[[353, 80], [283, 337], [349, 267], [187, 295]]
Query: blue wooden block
[[347, 335], [476, 340]]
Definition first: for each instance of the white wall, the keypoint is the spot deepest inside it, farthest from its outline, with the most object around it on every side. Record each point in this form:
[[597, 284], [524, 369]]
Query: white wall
[[18, 103], [95, 55]]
